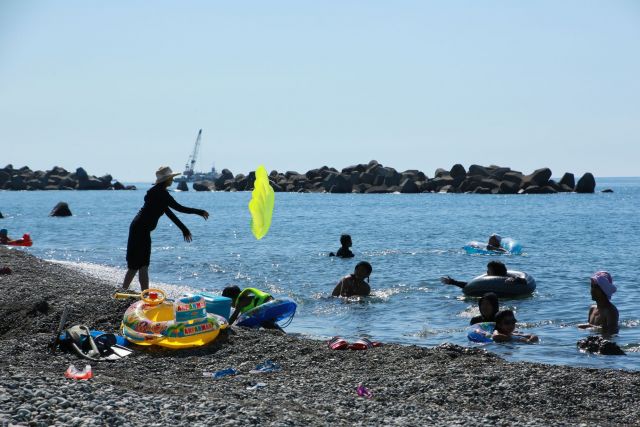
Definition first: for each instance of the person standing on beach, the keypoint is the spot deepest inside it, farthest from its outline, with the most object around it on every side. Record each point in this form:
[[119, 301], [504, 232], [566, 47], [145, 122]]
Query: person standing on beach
[[604, 314], [157, 202]]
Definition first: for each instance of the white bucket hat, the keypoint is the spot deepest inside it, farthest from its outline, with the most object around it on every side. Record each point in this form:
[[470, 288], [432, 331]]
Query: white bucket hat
[[164, 173]]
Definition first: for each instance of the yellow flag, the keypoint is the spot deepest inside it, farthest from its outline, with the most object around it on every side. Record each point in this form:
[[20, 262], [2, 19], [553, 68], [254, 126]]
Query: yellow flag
[[261, 204]]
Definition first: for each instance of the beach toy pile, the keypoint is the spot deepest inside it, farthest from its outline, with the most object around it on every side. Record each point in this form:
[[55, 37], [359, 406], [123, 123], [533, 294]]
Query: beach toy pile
[[183, 323]]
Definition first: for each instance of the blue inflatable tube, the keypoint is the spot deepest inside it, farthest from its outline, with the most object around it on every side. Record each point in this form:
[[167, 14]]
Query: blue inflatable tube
[[507, 243], [273, 311]]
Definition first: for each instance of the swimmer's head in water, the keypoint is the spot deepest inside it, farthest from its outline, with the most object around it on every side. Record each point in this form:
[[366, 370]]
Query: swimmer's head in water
[[345, 240], [494, 240], [505, 322], [489, 305], [363, 270], [231, 292], [496, 268]]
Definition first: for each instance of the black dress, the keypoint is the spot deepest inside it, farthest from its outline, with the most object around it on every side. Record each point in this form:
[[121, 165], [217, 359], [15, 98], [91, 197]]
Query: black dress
[[157, 202]]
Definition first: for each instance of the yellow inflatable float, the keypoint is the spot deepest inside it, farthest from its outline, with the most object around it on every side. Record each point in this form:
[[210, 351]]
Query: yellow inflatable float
[[183, 323]]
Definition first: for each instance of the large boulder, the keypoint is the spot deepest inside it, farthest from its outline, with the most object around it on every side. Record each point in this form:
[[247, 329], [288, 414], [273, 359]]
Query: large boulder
[[458, 171], [366, 178], [539, 177], [225, 176], [354, 168], [81, 174], [470, 183], [569, 180], [499, 172], [408, 186], [61, 209], [313, 174], [507, 187], [514, 177], [341, 184], [586, 184], [204, 186], [440, 172], [478, 170]]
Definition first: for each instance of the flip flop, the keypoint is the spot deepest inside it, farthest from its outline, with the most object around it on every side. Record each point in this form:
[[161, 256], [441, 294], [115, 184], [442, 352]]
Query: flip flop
[[338, 343], [364, 344]]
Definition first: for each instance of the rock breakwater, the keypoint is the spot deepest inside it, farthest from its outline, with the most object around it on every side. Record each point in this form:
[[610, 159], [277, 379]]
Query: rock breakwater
[[56, 179], [373, 177]]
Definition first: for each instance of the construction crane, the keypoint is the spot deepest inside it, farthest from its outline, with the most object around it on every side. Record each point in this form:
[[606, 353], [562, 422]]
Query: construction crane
[[189, 168]]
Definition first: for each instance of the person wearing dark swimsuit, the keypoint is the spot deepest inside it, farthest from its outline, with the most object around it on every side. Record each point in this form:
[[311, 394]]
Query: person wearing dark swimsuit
[[355, 284], [157, 202]]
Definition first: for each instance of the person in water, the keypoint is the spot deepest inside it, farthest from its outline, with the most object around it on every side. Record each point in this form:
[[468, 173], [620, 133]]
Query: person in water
[[603, 314], [494, 268], [245, 300], [4, 237], [494, 243], [489, 307], [344, 251], [506, 329], [355, 284], [157, 202]]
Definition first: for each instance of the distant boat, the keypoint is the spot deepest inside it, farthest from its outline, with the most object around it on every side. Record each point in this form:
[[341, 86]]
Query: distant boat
[[189, 174]]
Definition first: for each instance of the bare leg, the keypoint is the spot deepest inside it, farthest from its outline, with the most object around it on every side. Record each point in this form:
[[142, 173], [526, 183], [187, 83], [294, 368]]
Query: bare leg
[[131, 273], [143, 277]]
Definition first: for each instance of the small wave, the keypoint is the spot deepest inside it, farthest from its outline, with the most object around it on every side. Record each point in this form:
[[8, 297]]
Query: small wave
[[114, 276], [631, 323], [631, 348], [426, 332]]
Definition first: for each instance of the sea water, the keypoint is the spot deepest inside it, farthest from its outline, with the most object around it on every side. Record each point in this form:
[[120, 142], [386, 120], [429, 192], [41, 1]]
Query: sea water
[[411, 241]]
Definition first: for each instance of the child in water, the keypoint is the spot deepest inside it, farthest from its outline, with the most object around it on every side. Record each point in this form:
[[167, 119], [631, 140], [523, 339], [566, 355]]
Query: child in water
[[505, 329], [355, 284], [494, 268], [489, 307], [344, 251], [604, 314]]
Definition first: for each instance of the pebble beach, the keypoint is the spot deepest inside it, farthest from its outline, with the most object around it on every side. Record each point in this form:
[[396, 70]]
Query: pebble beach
[[411, 385]]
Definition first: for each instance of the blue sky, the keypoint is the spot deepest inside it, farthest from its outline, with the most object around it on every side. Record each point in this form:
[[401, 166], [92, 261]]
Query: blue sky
[[123, 86]]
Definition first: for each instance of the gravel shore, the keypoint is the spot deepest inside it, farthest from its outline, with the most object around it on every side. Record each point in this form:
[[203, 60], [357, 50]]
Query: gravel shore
[[413, 386]]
